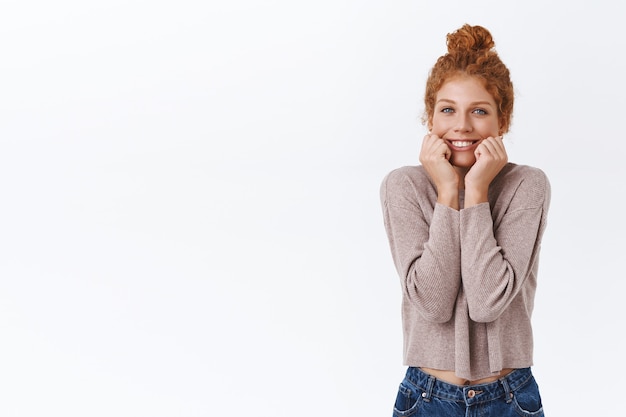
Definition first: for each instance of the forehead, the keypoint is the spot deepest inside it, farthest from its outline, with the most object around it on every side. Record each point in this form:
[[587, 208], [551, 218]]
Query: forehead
[[464, 89]]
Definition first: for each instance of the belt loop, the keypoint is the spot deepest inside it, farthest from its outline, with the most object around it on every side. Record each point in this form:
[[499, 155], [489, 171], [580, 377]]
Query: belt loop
[[429, 388], [508, 395]]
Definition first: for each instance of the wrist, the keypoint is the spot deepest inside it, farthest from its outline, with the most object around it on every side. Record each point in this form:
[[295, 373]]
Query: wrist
[[448, 197], [476, 195]]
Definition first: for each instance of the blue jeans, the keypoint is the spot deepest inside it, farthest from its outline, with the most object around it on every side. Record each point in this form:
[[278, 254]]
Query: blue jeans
[[422, 395]]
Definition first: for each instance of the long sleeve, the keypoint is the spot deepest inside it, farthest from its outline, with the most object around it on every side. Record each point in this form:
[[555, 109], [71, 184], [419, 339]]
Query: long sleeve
[[424, 241], [499, 255], [468, 277]]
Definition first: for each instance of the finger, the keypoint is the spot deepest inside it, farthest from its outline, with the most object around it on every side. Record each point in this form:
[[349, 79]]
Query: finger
[[499, 148], [433, 144], [481, 150], [428, 149], [426, 141], [436, 152], [498, 143], [430, 138], [445, 150], [488, 146], [494, 148], [427, 146]]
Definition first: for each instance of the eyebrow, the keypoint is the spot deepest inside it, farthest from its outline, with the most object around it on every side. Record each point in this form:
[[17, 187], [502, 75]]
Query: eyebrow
[[474, 103]]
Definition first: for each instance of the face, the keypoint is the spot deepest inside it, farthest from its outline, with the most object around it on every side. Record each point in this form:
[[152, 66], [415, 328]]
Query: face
[[464, 114]]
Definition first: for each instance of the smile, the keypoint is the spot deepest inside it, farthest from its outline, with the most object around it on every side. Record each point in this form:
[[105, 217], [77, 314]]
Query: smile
[[459, 144]]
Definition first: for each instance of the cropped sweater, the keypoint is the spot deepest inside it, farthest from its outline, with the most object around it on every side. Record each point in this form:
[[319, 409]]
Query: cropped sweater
[[468, 277]]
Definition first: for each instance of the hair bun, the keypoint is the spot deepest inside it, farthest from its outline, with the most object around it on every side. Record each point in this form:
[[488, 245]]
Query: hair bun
[[470, 38]]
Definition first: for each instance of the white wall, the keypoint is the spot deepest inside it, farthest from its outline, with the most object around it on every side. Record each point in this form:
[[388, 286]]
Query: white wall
[[189, 216]]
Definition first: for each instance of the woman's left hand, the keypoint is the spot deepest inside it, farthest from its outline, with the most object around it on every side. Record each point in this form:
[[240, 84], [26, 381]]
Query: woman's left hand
[[491, 157]]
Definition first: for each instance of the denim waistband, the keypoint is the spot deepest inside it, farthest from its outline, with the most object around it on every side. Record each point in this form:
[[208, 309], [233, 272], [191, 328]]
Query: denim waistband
[[469, 394]]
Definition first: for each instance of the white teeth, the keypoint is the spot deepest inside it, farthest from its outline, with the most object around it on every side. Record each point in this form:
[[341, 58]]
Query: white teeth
[[461, 143]]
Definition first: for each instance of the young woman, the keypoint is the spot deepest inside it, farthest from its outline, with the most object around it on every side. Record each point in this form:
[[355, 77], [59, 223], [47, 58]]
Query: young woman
[[465, 229]]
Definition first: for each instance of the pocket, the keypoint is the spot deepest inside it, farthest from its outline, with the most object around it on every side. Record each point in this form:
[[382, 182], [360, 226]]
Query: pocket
[[407, 401], [527, 399]]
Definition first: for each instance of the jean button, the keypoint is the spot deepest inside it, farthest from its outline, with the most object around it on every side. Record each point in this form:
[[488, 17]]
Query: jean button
[[471, 393]]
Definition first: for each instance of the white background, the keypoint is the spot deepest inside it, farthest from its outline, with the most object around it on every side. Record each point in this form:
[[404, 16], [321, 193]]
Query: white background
[[189, 212]]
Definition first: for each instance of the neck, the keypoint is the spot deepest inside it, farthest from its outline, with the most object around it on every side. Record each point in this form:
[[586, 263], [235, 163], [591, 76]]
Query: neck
[[461, 172]]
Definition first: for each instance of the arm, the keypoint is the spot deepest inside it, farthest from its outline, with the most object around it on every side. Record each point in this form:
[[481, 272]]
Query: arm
[[425, 246], [498, 259]]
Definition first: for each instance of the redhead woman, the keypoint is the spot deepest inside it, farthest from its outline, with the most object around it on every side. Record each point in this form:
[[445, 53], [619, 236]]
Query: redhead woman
[[465, 229]]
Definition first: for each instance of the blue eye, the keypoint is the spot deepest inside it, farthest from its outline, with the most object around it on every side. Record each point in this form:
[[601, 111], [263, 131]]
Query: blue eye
[[447, 110], [480, 111]]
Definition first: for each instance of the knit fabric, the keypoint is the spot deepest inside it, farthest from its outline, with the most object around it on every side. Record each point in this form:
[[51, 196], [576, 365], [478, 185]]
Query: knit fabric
[[468, 277]]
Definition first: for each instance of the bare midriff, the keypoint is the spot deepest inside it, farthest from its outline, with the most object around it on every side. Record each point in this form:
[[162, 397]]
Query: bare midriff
[[451, 378]]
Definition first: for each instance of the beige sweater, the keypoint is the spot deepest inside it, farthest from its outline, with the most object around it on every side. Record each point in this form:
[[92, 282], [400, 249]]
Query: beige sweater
[[468, 277]]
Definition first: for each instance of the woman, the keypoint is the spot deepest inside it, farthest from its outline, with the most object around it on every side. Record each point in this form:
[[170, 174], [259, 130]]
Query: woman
[[465, 231]]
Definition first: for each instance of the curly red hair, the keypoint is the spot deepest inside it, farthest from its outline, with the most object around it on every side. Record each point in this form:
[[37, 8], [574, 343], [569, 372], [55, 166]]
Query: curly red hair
[[471, 53]]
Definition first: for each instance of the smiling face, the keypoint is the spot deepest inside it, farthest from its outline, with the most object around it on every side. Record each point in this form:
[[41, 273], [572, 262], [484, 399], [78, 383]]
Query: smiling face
[[464, 114]]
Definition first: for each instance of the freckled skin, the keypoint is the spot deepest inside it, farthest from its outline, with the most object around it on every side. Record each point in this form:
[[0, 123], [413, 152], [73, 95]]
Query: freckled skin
[[464, 111]]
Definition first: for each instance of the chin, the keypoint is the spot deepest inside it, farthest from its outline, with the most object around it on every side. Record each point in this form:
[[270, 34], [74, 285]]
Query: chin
[[463, 162]]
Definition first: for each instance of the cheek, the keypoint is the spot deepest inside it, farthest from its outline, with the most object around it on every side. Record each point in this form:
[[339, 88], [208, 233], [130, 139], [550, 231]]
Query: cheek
[[438, 124], [502, 128], [491, 128]]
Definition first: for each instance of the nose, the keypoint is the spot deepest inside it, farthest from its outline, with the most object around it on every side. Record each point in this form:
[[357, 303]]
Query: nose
[[463, 123]]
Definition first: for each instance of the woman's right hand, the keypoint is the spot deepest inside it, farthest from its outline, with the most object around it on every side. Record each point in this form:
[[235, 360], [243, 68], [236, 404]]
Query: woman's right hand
[[435, 158]]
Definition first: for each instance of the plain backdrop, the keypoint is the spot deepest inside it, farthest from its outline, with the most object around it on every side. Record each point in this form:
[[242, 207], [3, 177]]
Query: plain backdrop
[[189, 214]]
